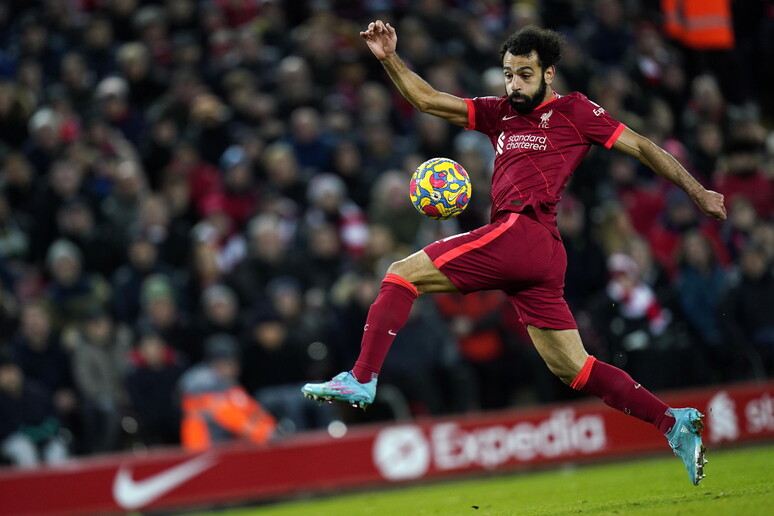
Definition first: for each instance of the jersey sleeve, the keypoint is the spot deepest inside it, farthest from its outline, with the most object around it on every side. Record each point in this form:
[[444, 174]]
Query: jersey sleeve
[[483, 114], [595, 124]]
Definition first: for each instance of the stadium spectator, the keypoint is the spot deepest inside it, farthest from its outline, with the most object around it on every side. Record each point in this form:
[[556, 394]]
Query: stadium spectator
[[435, 378], [586, 272], [474, 322], [37, 349], [151, 383], [99, 357], [122, 205], [219, 313], [30, 431], [76, 222], [78, 81], [162, 314], [72, 291], [748, 344], [15, 109], [112, 95], [389, 208], [156, 224], [143, 82], [14, 240], [65, 183], [677, 219], [273, 368], [309, 140], [329, 204], [744, 177], [325, 260], [216, 408], [142, 262], [606, 34], [208, 126], [19, 186], [284, 177], [635, 325], [269, 257], [699, 286], [238, 198], [737, 233]]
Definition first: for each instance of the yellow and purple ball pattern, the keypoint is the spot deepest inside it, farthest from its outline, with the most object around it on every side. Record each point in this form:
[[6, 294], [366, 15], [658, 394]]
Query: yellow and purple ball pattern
[[440, 188]]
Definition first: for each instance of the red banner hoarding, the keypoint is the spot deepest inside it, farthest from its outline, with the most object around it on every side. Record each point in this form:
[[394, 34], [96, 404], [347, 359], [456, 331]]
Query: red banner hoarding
[[368, 456]]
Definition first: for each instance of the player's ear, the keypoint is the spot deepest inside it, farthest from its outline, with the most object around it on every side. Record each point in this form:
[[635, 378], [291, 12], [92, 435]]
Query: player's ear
[[548, 74]]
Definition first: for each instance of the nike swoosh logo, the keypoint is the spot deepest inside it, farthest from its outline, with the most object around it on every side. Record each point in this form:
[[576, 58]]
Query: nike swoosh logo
[[637, 385], [130, 494], [509, 117], [391, 332]]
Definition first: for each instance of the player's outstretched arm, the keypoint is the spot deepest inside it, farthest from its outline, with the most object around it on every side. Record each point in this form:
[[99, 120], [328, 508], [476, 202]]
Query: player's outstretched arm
[[665, 165], [382, 39]]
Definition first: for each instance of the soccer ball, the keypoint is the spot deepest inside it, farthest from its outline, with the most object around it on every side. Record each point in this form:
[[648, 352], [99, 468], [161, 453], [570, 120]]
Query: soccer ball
[[440, 188]]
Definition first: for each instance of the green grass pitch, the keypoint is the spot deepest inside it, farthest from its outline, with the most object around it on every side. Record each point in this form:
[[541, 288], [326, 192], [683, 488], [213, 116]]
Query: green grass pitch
[[739, 482]]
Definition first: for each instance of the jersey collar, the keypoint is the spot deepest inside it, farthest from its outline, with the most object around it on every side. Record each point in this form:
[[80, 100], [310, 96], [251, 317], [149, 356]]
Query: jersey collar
[[556, 96]]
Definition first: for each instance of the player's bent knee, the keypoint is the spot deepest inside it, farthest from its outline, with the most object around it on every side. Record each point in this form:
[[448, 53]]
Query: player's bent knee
[[401, 269]]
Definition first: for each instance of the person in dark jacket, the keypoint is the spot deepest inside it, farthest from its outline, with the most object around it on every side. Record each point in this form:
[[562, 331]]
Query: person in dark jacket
[[151, 384], [29, 427]]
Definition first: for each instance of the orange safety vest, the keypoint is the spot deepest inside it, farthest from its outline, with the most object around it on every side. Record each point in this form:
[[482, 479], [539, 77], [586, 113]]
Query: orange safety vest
[[699, 24], [232, 409]]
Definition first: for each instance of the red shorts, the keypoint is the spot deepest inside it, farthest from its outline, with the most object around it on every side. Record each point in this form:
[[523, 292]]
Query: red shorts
[[515, 254]]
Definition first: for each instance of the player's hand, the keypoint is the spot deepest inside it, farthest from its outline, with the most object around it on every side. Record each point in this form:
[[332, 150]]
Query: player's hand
[[381, 38], [711, 203]]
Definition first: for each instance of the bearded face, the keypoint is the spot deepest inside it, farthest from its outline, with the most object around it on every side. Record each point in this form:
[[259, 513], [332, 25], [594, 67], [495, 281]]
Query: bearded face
[[523, 103]]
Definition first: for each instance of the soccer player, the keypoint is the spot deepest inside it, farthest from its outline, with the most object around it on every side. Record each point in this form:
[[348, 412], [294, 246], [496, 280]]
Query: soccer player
[[539, 137]]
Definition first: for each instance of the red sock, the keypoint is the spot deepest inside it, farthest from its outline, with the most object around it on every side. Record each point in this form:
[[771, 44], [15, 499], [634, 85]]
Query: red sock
[[617, 389], [386, 317]]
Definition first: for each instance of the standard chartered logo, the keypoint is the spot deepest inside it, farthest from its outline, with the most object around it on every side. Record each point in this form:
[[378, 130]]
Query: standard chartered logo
[[401, 453], [526, 142], [521, 142]]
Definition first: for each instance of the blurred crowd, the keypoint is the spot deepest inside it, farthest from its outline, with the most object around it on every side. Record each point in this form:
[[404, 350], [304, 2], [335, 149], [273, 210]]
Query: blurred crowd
[[202, 196]]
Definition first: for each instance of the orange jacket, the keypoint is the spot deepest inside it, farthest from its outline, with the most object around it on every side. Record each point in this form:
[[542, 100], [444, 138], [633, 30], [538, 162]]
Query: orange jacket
[[232, 409], [699, 24]]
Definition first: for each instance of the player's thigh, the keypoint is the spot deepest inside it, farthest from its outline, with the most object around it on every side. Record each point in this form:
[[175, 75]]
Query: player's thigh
[[562, 350], [420, 271]]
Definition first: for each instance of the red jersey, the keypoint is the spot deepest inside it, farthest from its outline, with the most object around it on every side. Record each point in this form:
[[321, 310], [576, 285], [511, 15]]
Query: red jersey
[[536, 153]]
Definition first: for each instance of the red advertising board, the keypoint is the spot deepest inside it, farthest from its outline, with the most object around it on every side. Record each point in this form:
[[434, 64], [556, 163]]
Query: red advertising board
[[368, 456]]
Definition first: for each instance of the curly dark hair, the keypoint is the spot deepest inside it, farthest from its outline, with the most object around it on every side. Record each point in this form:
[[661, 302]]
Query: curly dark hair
[[545, 42]]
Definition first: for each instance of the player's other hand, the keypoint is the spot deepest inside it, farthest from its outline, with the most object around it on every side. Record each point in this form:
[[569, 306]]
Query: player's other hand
[[381, 38], [711, 203]]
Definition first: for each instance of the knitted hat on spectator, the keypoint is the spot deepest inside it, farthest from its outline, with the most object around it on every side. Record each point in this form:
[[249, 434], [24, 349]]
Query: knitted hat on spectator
[[62, 249], [156, 286]]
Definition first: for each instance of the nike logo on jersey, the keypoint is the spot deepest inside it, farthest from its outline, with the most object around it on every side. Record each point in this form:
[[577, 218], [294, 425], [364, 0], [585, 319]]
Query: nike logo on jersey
[[391, 332], [509, 117], [131, 494]]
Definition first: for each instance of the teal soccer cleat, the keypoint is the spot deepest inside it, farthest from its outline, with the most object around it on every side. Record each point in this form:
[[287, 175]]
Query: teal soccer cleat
[[343, 387], [685, 441]]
